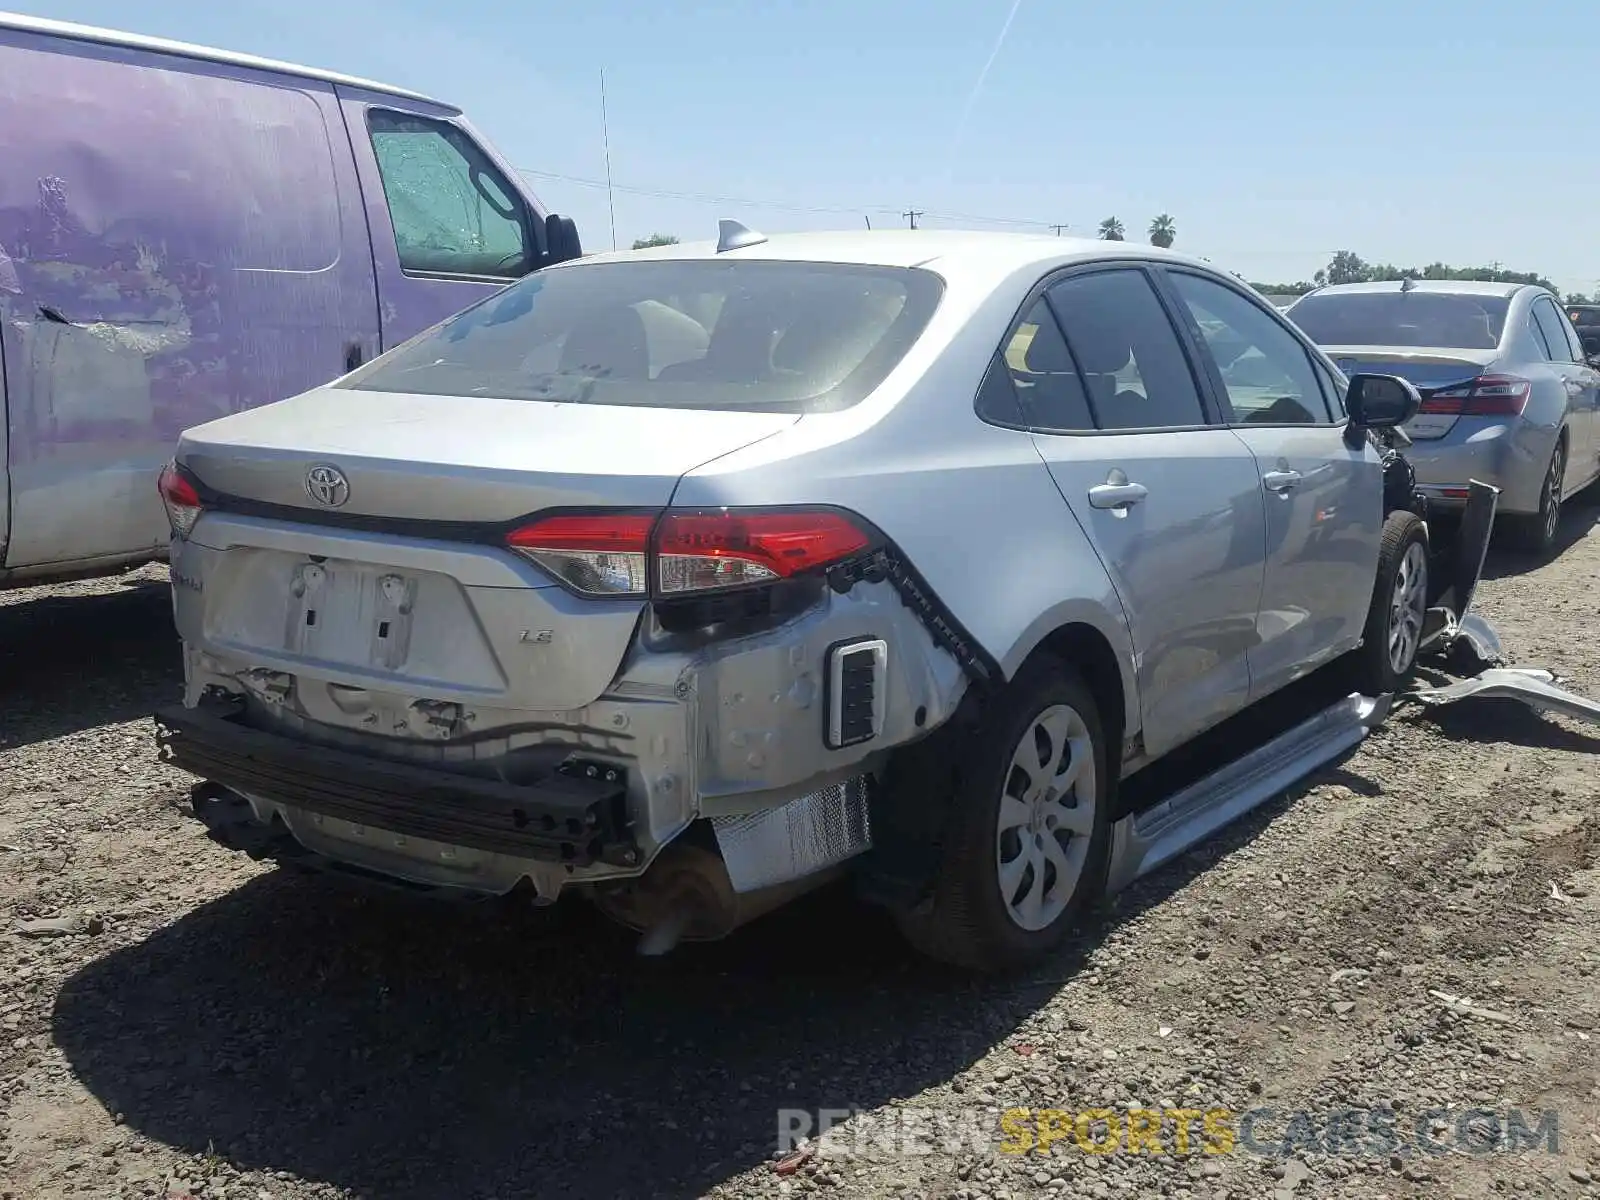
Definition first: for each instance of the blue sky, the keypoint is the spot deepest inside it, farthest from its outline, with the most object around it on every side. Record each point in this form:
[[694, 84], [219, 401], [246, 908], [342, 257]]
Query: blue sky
[[1273, 133]]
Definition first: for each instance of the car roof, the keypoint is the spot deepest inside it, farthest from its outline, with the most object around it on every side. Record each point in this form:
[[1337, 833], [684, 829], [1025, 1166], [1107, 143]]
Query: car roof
[[948, 249], [1445, 287], [136, 41]]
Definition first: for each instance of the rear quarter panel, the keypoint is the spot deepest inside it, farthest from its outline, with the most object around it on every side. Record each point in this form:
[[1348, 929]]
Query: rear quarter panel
[[971, 505]]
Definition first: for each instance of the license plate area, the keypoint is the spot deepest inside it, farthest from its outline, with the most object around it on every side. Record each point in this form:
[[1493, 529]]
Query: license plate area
[[335, 607]]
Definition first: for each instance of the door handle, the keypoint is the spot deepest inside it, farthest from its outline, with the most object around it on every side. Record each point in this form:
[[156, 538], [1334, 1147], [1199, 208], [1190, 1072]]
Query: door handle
[[1281, 481], [1117, 495], [352, 357]]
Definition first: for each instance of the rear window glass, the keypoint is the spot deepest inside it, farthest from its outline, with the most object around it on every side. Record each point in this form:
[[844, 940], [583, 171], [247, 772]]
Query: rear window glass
[[1581, 314], [1402, 319], [771, 336]]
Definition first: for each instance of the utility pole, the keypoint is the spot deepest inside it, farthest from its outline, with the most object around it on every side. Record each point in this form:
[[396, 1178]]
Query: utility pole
[[911, 214], [1058, 229]]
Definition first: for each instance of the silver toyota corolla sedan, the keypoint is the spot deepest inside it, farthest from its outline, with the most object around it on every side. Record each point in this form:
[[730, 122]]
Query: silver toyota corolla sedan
[[686, 579], [1509, 396]]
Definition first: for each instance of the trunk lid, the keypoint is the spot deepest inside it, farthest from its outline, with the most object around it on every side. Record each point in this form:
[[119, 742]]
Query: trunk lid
[[1427, 368], [371, 622], [459, 458]]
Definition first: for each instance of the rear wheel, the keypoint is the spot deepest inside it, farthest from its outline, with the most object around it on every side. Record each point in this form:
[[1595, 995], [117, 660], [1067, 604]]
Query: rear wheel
[[1029, 831], [1393, 632], [1536, 533]]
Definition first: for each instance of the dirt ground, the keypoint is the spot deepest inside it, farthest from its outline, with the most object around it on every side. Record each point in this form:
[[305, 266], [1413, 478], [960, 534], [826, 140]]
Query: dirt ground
[[1413, 935]]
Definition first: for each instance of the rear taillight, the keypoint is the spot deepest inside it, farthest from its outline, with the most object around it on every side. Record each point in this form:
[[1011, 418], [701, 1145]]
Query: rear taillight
[[687, 553], [1485, 396], [181, 499], [594, 555]]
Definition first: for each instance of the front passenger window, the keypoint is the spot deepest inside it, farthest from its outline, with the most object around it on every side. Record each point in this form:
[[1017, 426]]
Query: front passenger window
[[453, 212], [1264, 369]]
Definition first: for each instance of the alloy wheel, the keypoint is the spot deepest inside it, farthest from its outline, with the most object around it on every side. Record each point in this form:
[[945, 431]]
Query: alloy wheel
[[1408, 607]]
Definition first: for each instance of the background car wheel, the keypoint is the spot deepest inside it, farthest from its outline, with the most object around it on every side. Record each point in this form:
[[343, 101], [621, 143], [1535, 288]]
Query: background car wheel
[[1029, 831], [1536, 533], [1393, 631]]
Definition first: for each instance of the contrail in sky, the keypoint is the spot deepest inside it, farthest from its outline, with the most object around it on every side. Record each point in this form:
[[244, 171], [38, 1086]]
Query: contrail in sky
[[972, 96]]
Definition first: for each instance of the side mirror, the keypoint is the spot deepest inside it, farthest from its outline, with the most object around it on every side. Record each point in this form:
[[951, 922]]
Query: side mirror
[[561, 236], [1381, 401]]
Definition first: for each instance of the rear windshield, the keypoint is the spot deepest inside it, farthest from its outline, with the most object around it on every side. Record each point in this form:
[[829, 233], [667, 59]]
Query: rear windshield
[[795, 337], [1432, 319], [1584, 314]]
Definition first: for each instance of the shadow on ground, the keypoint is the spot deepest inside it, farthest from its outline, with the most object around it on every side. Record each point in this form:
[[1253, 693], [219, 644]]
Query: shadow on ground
[[1578, 518], [70, 663], [405, 1050]]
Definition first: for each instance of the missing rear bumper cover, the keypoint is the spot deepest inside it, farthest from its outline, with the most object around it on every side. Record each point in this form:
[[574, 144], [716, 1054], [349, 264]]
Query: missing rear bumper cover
[[567, 818]]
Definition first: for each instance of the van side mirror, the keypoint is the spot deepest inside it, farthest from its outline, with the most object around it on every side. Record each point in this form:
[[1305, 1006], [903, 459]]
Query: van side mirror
[[561, 239], [1381, 401]]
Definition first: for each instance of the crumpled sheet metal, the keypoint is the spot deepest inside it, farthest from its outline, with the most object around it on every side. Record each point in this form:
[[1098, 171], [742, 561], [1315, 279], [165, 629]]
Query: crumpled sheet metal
[[1532, 686], [795, 839]]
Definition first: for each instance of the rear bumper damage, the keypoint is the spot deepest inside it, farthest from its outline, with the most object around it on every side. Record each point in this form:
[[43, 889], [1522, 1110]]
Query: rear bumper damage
[[710, 774]]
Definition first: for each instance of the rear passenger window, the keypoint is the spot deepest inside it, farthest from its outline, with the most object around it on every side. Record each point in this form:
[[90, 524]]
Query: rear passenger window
[[1539, 338], [1127, 352], [1555, 335], [453, 212], [1264, 369], [1045, 381]]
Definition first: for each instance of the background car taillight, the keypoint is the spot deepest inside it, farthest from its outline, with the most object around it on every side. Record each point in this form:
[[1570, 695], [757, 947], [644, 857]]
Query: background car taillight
[[1485, 396], [687, 553], [181, 499]]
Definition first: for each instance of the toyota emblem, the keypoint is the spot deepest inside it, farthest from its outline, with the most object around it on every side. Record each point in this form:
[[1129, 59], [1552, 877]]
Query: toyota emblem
[[327, 486]]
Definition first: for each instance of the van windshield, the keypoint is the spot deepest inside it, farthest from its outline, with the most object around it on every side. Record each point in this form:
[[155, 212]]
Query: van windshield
[[770, 336]]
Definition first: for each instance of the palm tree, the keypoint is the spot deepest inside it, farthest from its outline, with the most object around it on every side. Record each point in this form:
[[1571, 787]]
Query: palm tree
[[1111, 230], [1163, 231]]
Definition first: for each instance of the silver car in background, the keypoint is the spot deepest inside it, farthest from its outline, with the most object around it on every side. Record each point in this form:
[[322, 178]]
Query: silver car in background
[[685, 579], [1509, 395]]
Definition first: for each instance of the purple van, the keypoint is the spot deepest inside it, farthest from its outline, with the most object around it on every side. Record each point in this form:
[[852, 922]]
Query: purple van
[[185, 233]]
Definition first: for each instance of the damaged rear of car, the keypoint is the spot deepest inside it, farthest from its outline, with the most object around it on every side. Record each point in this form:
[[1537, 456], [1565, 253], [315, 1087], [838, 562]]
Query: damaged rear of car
[[473, 645]]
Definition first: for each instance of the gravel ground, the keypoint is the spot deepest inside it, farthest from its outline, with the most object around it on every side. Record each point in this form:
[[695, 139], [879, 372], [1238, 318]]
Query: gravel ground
[[204, 1026]]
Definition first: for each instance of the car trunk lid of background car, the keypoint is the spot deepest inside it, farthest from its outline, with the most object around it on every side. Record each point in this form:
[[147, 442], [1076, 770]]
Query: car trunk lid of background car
[[1427, 368]]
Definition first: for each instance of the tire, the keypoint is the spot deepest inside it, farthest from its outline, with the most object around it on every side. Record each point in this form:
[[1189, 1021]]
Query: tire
[[970, 921], [1536, 533], [1393, 632]]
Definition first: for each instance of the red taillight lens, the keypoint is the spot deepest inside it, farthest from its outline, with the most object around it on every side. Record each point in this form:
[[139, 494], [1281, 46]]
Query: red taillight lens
[[598, 555], [180, 498], [683, 553], [711, 550], [1485, 396]]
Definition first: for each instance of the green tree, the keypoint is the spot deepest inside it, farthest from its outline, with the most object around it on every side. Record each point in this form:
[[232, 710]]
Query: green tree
[[1111, 230], [1346, 267], [655, 239], [1577, 298], [1163, 231]]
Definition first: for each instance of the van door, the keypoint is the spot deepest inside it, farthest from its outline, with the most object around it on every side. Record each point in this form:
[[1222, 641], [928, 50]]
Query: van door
[[180, 249], [449, 222]]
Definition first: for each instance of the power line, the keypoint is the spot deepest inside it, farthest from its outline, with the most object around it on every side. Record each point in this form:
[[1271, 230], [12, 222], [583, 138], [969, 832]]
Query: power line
[[862, 210], [911, 214], [779, 205]]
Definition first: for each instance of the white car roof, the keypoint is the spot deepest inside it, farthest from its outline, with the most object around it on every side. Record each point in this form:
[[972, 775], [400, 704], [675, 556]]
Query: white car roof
[[136, 41], [946, 248]]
